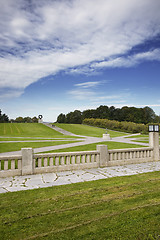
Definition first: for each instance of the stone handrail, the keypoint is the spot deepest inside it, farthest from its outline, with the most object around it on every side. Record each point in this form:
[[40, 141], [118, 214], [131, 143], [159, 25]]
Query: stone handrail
[[30, 163], [130, 155], [65, 161], [10, 166]]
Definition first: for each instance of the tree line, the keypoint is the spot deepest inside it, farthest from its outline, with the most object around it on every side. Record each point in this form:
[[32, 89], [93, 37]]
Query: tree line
[[5, 119], [128, 114]]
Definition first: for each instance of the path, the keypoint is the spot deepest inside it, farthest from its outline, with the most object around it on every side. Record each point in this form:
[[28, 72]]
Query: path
[[85, 141], [17, 183]]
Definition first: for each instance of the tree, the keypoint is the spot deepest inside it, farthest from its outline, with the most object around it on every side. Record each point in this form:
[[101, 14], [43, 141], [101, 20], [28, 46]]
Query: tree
[[61, 118], [74, 117], [35, 120], [3, 117]]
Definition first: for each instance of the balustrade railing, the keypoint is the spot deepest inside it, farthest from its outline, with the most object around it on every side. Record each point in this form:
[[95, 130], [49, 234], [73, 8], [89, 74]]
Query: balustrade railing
[[30, 163], [10, 166], [132, 155], [65, 161]]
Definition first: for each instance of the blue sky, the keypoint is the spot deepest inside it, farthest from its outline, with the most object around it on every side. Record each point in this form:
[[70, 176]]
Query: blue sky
[[58, 56]]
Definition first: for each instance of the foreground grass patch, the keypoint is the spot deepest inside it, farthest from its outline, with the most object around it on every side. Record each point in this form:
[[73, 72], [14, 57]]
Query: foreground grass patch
[[16, 146], [115, 208], [93, 146]]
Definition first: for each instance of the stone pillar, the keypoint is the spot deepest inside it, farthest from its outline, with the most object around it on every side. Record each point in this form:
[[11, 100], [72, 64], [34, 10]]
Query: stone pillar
[[27, 161], [106, 136], [104, 156], [154, 142]]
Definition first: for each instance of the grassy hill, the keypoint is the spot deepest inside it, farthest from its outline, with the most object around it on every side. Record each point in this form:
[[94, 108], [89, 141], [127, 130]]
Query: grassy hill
[[85, 130], [27, 130]]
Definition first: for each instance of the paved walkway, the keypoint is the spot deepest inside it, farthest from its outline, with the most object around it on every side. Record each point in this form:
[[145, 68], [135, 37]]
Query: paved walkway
[[80, 142], [18, 183]]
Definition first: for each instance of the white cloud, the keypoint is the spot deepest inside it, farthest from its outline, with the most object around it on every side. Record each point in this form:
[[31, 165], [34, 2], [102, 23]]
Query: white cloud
[[6, 94], [39, 38], [129, 61], [87, 84]]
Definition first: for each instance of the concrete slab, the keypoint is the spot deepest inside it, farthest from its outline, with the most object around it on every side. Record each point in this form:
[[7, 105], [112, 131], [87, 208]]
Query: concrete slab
[[19, 183]]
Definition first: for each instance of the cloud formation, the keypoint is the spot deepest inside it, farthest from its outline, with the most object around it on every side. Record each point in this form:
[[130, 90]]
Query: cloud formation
[[40, 38]]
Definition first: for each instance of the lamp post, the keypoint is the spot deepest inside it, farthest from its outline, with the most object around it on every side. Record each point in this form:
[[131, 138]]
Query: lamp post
[[153, 128], [154, 139]]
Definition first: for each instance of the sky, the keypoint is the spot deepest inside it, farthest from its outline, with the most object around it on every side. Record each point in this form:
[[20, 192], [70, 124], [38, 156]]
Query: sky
[[57, 56]]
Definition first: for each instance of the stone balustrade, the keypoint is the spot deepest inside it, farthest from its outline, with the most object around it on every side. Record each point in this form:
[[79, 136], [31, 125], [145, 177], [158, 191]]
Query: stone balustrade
[[65, 161], [130, 156], [11, 166], [30, 163]]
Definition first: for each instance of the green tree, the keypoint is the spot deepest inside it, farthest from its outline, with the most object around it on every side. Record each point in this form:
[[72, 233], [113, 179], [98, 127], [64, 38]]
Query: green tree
[[74, 117], [3, 117], [61, 118]]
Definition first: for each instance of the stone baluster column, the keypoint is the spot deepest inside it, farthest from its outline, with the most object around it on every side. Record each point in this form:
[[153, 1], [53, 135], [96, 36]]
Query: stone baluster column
[[104, 156]]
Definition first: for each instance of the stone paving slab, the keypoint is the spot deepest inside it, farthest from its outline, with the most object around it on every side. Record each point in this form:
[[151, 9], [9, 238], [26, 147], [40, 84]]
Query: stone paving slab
[[18, 183]]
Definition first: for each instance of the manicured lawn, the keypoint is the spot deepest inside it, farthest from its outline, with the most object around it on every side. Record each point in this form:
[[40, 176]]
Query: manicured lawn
[[90, 147], [16, 146], [85, 130], [28, 130], [116, 208]]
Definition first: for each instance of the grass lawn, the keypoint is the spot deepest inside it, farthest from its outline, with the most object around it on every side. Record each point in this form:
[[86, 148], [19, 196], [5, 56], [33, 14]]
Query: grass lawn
[[28, 130], [16, 146], [115, 208], [85, 130], [90, 147]]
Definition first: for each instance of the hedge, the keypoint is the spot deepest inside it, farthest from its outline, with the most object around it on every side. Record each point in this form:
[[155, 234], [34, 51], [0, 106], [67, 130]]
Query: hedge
[[115, 125]]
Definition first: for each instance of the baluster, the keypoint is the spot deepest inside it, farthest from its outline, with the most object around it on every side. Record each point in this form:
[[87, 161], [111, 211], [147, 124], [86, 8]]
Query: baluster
[[68, 160], [45, 162], [12, 164], [119, 156], [62, 160], [126, 155], [134, 155], [129, 155], [83, 158], [97, 157], [39, 162], [0, 165], [19, 164], [73, 159], [110, 156], [6, 165], [88, 158], [140, 154], [92, 158], [56, 161], [78, 159], [51, 161]]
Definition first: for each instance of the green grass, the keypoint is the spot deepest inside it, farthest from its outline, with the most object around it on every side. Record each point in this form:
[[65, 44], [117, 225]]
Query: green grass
[[16, 146], [90, 147], [139, 136], [116, 208], [28, 130], [85, 130]]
